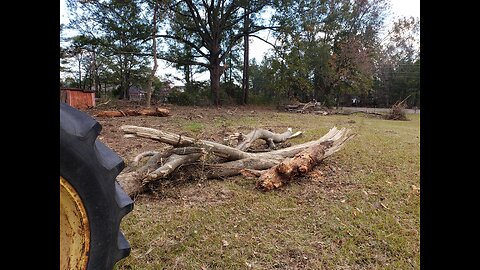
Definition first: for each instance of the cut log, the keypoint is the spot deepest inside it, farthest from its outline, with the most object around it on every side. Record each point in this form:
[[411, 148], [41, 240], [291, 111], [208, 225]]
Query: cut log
[[131, 112]]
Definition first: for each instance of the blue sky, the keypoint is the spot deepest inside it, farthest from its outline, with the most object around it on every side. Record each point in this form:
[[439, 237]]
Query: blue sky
[[399, 8]]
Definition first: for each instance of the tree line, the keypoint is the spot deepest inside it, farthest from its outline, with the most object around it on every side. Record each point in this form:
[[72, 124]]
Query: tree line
[[325, 50]]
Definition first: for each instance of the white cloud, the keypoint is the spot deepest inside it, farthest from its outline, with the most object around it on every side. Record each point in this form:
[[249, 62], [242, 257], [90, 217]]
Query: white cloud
[[406, 8]]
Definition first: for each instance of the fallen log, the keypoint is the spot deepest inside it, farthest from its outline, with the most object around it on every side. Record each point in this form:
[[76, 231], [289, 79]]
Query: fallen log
[[232, 161], [161, 112]]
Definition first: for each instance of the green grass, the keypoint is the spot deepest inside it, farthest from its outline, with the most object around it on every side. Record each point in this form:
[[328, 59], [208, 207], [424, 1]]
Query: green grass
[[194, 127], [365, 216]]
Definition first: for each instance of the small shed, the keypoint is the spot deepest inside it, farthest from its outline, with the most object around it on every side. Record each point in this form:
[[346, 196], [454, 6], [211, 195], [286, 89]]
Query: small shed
[[78, 98], [136, 93]]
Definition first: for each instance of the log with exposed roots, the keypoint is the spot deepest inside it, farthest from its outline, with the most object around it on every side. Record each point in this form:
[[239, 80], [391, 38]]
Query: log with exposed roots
[[274, 167]]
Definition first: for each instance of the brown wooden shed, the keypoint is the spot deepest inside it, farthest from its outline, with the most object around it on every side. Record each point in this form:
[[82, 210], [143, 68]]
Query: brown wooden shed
[[78, 98]]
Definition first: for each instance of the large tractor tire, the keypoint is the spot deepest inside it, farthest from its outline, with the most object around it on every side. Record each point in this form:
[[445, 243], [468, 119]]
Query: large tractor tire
[[92, 203]]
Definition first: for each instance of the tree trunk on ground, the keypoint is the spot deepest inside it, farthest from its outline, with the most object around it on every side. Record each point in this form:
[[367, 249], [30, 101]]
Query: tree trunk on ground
[[131, 112], [188, 150]]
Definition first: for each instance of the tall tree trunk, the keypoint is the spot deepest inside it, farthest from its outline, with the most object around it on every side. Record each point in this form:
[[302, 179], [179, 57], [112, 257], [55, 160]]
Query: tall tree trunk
[[154, 49], [187, 76], [80, 71], [93, 73], [245, 57], [215, 73], [230, 69], [126, 95]]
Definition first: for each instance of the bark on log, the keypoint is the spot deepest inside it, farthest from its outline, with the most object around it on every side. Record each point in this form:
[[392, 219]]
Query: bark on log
[[233, 168], [131, 112]]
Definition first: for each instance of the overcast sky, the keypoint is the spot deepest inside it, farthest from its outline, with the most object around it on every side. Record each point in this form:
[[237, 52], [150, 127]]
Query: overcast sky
[[400, 8]]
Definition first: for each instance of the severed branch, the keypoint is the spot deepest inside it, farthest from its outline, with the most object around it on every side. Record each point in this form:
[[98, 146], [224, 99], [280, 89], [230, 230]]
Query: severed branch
[[137, 181], [172, 162], [137, 159]]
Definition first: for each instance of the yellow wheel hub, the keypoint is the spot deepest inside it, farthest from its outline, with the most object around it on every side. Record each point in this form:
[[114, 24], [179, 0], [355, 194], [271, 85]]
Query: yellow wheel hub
[[74, 229]]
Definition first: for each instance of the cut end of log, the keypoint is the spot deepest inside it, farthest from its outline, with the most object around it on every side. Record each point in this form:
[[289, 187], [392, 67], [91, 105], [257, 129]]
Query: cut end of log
[[268, 182]]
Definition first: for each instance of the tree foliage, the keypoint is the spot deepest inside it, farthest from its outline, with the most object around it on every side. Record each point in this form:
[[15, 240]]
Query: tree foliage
[[208, 31], [327, 47], [327, 50], [115, 32]]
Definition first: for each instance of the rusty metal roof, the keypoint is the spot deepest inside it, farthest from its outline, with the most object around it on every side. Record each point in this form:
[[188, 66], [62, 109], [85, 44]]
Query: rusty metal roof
[[77, 89]]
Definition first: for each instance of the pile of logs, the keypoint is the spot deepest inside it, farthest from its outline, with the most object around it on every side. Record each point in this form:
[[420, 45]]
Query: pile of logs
[[274, 168]]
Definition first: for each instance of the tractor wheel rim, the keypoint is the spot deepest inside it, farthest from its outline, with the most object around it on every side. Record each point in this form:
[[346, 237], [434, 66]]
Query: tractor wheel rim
[[74, 229]]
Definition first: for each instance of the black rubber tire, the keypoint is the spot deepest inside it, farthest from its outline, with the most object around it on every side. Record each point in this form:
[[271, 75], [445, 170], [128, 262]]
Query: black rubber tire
[[91, 168]]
